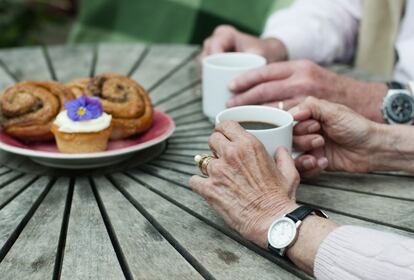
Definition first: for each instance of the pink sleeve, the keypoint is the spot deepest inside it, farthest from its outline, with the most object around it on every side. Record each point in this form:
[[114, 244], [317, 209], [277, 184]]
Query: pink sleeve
[[352, 252], [323, 31]]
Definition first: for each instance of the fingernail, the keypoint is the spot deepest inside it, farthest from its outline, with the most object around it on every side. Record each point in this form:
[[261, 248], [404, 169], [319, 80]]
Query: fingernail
[[313, 128], [308, 164], [230, 103], [232, 85], [322, 163], [317, 142]]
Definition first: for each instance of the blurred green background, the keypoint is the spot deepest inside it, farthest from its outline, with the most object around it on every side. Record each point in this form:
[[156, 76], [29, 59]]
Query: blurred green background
[[34, 22]]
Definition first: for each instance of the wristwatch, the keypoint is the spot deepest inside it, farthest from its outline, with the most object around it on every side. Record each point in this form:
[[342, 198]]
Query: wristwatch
[[283, 232], [398, 104]]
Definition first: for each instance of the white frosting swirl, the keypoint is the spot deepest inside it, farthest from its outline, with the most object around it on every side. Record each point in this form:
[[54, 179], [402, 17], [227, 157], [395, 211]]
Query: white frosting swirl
[[65, 124]]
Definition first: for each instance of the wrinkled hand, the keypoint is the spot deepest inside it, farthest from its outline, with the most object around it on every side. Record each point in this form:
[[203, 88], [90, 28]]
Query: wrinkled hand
[[290, 82], [226, 38], [286, 84], [334, 137], [245, 185]]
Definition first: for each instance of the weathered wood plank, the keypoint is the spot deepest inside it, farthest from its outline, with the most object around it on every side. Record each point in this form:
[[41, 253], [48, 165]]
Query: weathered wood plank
[[200, 125], [11, 190], [185, 77], [166, 174], [195, 139], [190, 133], [388, 211], [196, 146], [186, 98], [196, 117], [29, 166], [175, 186], [34, 252], [71, 62], [4, 170], [220, 255], [177, 159], [5, 79], [88, 250], [15, 211], [118, 58], [14, 161], [5, 158], [393, 186], [148, 254], [193, 109], [185, 168], [159, 62], [187, 153], [26, 63], [9, 177]]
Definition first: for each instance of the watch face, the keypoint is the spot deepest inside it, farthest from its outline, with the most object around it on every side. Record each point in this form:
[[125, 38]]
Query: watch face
[[400, 108], [281, 233]]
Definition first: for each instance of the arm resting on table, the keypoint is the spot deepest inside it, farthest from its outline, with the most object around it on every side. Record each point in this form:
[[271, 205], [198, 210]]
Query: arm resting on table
[[352, 252]]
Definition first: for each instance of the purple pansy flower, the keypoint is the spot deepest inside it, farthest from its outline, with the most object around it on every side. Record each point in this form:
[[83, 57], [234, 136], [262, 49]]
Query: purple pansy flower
[[84, 108]]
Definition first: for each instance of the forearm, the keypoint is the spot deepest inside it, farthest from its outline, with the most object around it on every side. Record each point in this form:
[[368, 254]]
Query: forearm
[[312, 232], [363, 97], [393, 148]]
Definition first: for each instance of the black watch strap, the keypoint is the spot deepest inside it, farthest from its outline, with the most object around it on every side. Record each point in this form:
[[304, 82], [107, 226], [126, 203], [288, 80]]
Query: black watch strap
[[395, 85], [299, 214]]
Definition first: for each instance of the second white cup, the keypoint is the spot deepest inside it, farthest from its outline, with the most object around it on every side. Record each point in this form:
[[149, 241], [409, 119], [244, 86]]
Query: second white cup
[[271, 138], [218, 71]]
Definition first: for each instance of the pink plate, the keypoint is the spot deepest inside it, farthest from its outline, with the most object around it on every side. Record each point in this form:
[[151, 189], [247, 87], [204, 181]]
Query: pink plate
[[48, 154]]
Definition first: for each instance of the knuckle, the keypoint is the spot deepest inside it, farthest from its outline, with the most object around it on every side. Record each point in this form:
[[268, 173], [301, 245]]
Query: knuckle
[[206, 42], [256, 145], [311, 100], [214, 168], [305, 85], [224, 28], [306, 65], [231, 154]]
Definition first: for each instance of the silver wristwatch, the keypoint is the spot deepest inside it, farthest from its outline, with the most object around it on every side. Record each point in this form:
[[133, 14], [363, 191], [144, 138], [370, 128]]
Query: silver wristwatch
[[398, 104], [283, 232]]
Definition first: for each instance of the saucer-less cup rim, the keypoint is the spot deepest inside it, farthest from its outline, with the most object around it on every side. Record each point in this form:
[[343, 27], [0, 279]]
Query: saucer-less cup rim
[[229, 61], [254, 118]]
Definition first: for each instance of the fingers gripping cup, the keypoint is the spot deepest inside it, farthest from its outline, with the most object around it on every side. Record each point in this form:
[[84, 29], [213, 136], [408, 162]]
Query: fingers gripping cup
[[273, 127], [218, 71]]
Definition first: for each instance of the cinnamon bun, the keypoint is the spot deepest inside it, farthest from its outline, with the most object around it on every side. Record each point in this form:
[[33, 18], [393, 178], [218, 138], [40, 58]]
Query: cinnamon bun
[[123, 98], [28, 109]]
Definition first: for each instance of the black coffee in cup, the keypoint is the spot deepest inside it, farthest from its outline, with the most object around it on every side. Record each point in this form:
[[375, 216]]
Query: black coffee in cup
[[255, 125]]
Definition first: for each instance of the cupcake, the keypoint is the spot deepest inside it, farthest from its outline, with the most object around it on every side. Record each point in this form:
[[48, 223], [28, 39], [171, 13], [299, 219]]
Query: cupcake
[[83, 127]]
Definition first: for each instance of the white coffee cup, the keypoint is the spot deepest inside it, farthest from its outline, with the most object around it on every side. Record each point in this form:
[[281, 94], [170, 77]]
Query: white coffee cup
[[271, 138], [218, 71]]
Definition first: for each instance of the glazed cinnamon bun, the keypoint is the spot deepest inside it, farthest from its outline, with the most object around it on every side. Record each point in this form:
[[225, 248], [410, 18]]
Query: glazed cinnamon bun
[[28, 109], [123, 98]]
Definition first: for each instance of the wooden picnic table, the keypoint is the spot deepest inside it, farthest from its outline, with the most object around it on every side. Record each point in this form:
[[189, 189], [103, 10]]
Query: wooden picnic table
[[140, 220]]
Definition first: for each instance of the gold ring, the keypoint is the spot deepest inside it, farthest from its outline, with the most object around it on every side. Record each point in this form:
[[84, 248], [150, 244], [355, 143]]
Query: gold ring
[[202, 162]]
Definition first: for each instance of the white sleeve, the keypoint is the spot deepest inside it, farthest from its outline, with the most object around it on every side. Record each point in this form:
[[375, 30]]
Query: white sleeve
[[352, 252], [323, 31]]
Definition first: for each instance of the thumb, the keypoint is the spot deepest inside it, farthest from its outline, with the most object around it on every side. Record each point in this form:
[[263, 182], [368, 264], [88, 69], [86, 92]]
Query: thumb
[[286, 166]]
